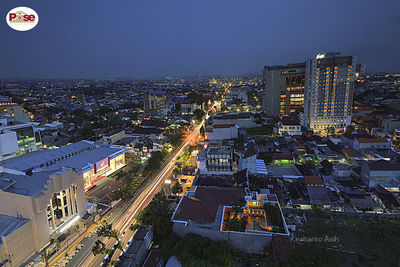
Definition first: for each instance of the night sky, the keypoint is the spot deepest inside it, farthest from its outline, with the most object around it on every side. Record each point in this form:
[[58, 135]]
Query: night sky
[[147, 38]]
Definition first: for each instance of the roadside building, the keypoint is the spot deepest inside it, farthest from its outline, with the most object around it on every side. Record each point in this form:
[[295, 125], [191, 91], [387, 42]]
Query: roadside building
[[16, 244], [51, 202], [219, 132], [93, 162], [135, 254], [242, 120], [189, 107]]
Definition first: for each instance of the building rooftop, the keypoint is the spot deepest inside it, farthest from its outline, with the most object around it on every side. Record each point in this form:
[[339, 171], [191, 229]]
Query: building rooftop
[[318, 195], [27, 185], [250, 150], [35, 159], [313, 180], [384, 165], [203, 204], [9, 224], [227, 116], [219, 150], [219, 126], [76, 156], [372, 140]]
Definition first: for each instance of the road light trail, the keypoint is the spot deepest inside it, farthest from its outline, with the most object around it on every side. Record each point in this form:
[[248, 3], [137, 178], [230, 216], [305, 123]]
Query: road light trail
[[126, 216]]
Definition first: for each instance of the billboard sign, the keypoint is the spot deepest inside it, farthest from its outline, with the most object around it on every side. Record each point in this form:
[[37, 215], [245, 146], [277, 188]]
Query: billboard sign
[[101, 165]]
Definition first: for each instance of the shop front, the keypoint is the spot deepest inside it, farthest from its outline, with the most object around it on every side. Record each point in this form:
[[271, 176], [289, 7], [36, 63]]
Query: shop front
[[102, 169]]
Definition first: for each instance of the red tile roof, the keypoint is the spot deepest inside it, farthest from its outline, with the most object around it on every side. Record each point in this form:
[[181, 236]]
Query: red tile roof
[[372, 140], [282, 156], [217, 126], [202, 207], [313, 180]]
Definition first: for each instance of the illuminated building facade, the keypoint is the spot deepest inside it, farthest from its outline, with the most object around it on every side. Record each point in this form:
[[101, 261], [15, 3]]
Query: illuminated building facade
[[155, 103], [328, 92], [284, 89], [26, 138], [50, 202], [8, 107]]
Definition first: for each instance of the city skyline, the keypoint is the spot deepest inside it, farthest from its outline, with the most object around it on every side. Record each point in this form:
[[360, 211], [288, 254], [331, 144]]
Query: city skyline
[[184, 39]]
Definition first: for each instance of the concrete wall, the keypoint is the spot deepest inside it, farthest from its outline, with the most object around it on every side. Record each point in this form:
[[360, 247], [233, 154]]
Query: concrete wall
[[223, 133], [249, 163], [271, 97], [35, 207], [245, 242], [18, 246], [242, 123]]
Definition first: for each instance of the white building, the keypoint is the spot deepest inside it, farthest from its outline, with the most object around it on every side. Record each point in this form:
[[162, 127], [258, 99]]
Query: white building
[[219, 132], [242, 120], [188, 108], [290, 127], [371, 143], [382, 172], [8, 144], [27, 139], [249, 159]]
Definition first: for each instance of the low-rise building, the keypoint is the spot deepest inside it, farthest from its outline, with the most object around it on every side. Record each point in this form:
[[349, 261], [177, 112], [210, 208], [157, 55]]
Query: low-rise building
[[189, 108], [385, 173], [289, 126], [242, 120], [248, 159], [220, 159], [27, 139], [219, 132], [208, 211], [135, 254], [372, 143], [114, 136], [389, 125]]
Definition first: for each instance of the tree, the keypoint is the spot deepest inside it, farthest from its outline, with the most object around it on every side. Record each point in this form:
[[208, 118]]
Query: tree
[[154, 162], [157, 214], [194, 250], [86, 132], [122, 176], [235, 224], [199, 114], [106, 230], [177, 188], [99, 248]]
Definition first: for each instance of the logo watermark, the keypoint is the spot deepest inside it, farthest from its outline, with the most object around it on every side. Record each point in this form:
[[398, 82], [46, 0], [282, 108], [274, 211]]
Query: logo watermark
[[22, 18], [316, 239]]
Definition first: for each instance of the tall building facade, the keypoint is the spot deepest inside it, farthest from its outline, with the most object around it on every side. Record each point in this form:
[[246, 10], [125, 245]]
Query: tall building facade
[[155, 103], [329, 86], [284, 89]]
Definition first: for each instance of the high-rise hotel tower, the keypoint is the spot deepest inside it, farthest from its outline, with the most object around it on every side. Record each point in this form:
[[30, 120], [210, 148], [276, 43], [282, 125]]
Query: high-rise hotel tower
[[284, 89], [328, 92]]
